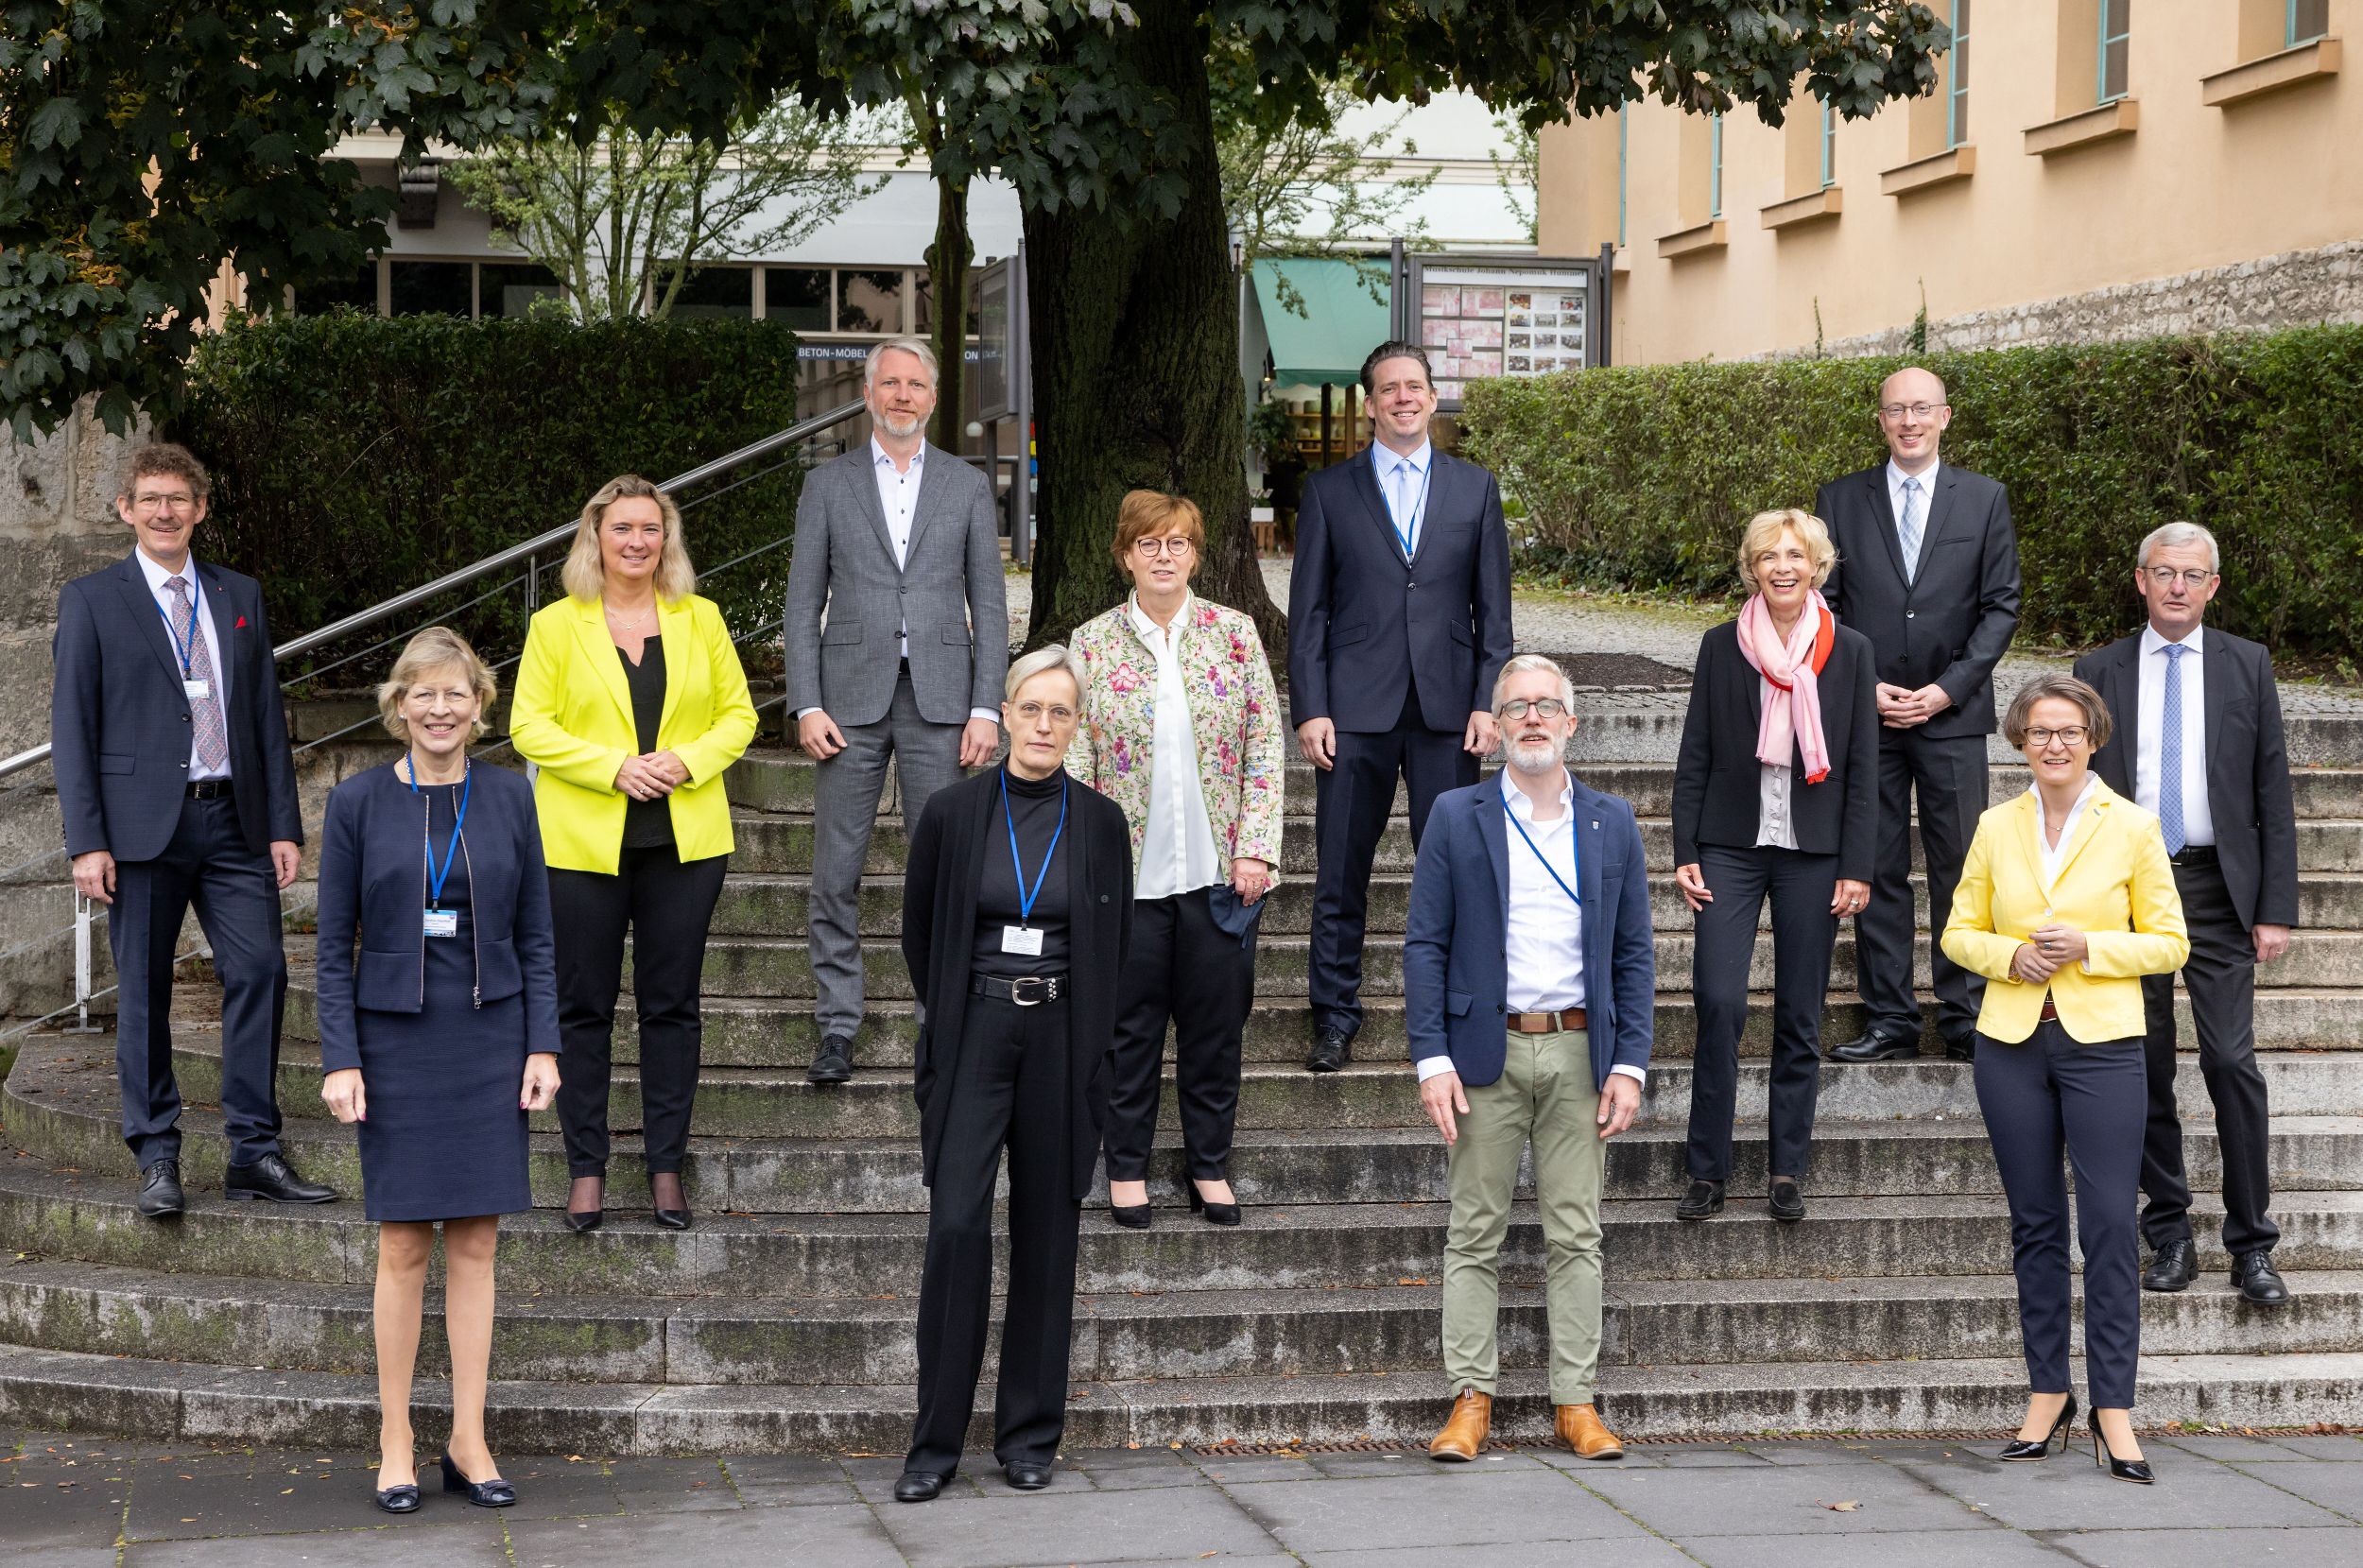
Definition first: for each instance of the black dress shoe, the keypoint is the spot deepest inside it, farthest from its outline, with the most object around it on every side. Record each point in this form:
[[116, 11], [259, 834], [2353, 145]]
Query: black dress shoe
[[1875, 1047], [403, 1499], [832, 1062], [2135, 1470], [2173, 1267], [1703, 1199], [2018, 1451], [1961, 1048], [494, 1493], [1786, 1202], [671, 1218], [918, 1486], [1132, 1216], [273, 1180], [1332, 1049], [160, 1189], [2253, 1274], [583, 1220], [1215, 1214], [1027, 1475]]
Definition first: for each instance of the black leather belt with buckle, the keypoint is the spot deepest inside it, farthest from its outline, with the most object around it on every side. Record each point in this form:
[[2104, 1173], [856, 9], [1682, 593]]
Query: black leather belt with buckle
[[1030, 991], [2195, 855], [209, 789]]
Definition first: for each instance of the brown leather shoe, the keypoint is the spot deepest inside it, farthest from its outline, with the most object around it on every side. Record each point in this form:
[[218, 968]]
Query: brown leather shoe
[[1464, 1433], [1580, 1428]]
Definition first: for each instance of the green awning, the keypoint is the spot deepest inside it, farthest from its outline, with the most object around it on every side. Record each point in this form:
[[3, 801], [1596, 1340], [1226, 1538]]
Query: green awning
[[1341, 323]]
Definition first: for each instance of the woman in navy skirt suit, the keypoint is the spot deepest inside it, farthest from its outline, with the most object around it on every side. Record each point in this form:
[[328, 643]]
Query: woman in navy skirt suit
[[438, 1031]]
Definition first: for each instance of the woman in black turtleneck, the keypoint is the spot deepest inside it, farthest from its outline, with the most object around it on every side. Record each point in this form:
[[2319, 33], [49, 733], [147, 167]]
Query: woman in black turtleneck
[[1016, 916]]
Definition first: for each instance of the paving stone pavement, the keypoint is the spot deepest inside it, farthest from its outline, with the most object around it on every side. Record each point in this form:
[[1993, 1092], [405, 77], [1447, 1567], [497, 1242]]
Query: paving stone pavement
[[2296, 1501]]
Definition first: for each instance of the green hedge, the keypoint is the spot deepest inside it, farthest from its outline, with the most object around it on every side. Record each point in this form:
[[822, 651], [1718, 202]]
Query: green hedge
[[1641, 478], [354, 455]]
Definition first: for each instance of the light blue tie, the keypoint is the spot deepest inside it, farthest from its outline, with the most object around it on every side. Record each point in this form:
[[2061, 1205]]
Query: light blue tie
[[2170, 752], [1909, 528], [1404, 523]]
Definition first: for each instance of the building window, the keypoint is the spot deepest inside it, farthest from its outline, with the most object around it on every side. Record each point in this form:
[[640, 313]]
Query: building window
[[1829, 147], [798, 296], [1715, 168], [2308, 20], [1624, 163], [509, 289], [869, 301], [726, 293], [2117, 24], [431, 289], [358, 292], [1957, 94]]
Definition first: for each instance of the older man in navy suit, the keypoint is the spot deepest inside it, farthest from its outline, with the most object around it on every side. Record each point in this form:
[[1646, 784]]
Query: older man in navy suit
[[177, 787], [1528, 980]]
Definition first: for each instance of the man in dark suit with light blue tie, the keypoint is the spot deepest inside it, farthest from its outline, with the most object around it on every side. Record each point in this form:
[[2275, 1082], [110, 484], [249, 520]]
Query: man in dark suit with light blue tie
[[177, 787], [1398, 623]]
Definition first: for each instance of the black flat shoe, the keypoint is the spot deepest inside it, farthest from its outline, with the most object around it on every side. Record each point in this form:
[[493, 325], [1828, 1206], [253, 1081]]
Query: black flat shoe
[[1963, 1049], [1026, 1474], [494, 1493], [274, 1180], [2260, 1286], [1786, 1202], [401, 1499], [1703, 1199], [2135, 1470], [2174, 1267], [160, 1190], [832, 1062], [2019, 1450], [1132, 1216], [1215, 1214], [1332, 1049], [918, 1486], [1873, 1047]]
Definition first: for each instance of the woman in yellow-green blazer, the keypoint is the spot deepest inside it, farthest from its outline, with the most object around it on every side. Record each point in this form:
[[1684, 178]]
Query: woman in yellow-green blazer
[[2066, 901], [631, 703]]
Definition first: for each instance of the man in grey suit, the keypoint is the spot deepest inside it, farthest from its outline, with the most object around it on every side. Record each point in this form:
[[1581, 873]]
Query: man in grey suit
[[896, 539]]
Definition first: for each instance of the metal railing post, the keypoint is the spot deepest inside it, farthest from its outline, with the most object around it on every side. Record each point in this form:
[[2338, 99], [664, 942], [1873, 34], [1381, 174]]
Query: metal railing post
[[82, 919]]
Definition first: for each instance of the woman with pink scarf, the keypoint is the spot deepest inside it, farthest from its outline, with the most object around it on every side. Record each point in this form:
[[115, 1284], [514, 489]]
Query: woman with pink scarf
[[1776, 795]]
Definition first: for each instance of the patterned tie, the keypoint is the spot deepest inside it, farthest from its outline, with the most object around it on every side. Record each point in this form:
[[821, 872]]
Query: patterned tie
[[212, 739], [2170, 752], [1405, 524], [1909, 529]]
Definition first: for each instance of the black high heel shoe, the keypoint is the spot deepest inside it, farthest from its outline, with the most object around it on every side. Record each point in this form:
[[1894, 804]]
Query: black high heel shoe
[[1132, 1216], [672, 1219], [494, 1493], [2020, 1449], [2135, 1470], [583, 1220], [1214, 1214]]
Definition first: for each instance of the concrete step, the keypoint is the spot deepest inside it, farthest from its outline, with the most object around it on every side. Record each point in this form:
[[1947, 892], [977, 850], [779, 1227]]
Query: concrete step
[[1180, 1334], [182, 1403]]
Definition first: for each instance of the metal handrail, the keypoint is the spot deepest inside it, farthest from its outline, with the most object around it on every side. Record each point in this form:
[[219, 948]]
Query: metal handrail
[[800, 431]]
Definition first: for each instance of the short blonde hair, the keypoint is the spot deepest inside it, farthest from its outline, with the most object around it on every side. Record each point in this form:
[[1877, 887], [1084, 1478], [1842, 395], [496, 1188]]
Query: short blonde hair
[[1152, 512], [918, 348], [585, 574], [1764, 528], [1525, 662], [438, 648], [2064, 688], [1050, 656]]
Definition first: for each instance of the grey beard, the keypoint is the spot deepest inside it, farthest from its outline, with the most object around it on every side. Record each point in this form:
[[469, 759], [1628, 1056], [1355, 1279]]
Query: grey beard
[[910, 428], [1537, 757]]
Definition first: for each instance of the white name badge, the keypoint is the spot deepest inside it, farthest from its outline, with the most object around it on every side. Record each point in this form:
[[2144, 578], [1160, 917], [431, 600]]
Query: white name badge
[[442, 922], [1022, 940], [198, 691]]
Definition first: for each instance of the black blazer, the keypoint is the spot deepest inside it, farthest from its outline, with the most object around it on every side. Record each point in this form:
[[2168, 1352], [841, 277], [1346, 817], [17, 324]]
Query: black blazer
[[1361, 619], [1951, 625], [2248, 764], [1716, 777], [119, 721], [372, 948], [939, 893]]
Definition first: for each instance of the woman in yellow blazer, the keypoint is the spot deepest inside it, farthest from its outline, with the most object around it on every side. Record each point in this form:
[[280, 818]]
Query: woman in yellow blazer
[[630, 702], [2066, 901]]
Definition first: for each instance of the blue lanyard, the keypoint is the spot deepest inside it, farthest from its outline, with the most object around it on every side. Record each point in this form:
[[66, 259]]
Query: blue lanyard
[[1404, 535], [1575, 846], [1025, 900], [460, 819], [186, 651]]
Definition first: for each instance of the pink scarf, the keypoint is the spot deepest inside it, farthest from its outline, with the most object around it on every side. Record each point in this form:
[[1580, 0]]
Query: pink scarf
[[1792, 685]]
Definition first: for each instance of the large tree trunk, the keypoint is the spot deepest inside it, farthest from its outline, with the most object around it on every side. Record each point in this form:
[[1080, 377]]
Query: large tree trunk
[[947, 287], [1135, 350]]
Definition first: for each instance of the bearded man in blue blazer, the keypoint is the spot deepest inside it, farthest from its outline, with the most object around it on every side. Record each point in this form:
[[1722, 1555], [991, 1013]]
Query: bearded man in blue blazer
[[1530, 979]]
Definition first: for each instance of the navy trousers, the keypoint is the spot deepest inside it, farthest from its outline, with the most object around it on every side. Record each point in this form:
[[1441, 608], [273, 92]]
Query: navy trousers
[[2039, 1095], [1947, 773], [207, 864]]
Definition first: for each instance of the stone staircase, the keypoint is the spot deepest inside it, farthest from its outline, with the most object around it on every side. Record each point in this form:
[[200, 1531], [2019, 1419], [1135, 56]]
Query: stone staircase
[[783, 1321]]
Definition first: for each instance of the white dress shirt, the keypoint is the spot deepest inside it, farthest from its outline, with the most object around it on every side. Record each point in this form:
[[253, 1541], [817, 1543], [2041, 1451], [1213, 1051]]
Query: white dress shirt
[[2199, 822], [1544, 936], [1927, 479], [1776, 821], [157, 577], [1410, 474], [2054, 853], [1178, 845]]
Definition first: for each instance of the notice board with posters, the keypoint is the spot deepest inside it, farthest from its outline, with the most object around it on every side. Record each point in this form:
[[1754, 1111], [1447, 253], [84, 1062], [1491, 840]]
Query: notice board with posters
[[1481, 315]]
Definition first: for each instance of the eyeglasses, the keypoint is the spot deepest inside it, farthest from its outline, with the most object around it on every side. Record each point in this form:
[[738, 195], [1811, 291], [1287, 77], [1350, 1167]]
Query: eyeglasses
[[2193, 577], [177, 501], [1917, 410], [1176, 546], [2073, 735], [1032, 713], [1549, 707]]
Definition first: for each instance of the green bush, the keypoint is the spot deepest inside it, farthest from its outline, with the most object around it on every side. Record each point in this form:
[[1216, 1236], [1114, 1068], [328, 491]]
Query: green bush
[[355, 456], [1641, 478]]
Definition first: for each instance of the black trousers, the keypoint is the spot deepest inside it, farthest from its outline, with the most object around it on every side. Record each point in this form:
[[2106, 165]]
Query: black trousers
[[667, 902], [236, 894], [1185, 968], [1948, 774], [2220, 976], [1351, 802], [1804, 933], [1008, 1089], [2040, 1095]]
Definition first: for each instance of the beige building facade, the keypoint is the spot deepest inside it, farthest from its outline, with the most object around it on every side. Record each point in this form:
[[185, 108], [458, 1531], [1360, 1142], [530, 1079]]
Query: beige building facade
[[2086, 169]]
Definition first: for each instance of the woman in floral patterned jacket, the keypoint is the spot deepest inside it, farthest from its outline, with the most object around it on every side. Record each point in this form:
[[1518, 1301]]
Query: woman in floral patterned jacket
[[1185, 734]]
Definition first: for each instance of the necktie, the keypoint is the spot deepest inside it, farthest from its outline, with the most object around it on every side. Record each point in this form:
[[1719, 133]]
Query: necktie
[[2170, 752], [212, 739], [1404, 523], [1909, 528]]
